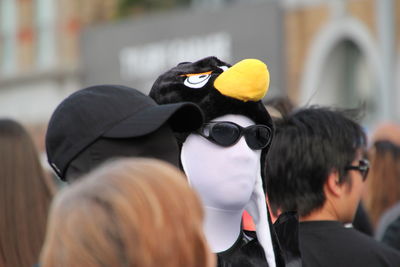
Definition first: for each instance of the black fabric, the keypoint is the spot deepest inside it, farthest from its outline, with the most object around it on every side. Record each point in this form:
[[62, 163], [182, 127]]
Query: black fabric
[[287, 228], [246, 252], [160, 144], [329, 243], [388, 228], [362, 221], [110, 111], [391, 236], [170, 88]]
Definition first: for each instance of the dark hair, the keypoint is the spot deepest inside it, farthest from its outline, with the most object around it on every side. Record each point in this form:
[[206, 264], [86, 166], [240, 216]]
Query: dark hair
[[280, 106], [308, 145], [25, 197]]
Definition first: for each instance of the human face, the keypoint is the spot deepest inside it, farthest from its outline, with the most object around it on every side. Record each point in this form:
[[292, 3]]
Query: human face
[[362, 167], [224, 177], [355, 187]]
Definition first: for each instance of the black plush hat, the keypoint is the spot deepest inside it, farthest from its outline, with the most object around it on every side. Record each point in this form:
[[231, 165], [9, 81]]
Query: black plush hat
[[219, 89]]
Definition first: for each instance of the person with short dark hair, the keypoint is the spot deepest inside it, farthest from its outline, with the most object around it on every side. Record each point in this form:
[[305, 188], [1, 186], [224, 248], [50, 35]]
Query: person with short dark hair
[[111, 121], [316, 166]]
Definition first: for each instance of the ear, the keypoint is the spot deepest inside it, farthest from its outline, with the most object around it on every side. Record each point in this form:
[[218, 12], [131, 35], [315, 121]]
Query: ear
[[332, 184]]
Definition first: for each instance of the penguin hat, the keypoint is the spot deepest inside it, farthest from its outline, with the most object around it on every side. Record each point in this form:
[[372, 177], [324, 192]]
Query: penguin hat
[[221, 90]]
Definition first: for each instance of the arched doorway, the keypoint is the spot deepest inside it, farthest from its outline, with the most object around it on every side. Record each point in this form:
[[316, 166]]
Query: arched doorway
[[343, 70], [346, 81]]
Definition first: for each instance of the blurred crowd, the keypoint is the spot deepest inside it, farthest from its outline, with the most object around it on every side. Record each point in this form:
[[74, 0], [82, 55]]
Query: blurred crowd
[[201, 172]]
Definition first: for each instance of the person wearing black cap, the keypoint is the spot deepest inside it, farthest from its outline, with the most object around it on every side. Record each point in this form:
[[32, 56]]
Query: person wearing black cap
[[108, 121], [224, 159]]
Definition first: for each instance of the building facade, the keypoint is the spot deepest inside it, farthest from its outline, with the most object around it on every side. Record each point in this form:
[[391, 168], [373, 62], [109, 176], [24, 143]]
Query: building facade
[[40, 57], [344, 53]]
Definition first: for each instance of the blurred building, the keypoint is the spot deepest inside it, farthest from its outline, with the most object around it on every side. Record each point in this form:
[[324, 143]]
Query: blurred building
[[344, 52], [39, 55], [335, 52]]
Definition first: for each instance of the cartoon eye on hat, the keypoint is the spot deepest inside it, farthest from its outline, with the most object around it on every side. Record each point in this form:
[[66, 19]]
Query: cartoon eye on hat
[[217, 87]]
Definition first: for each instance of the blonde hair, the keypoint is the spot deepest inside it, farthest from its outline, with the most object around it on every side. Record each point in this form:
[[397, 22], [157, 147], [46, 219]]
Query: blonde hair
[[130, 212]]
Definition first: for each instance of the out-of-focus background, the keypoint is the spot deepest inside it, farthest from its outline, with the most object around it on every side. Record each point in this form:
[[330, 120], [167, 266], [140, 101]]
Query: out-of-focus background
[[344, 53]]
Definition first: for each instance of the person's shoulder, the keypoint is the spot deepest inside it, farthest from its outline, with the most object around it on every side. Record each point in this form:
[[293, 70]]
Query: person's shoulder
[[373, 252], [391, 235], [372, 246], [389, 218], [340, 242]]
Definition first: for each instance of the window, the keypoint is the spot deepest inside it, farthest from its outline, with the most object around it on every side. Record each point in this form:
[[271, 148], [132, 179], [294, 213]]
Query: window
[[8, 36], [45, 14]]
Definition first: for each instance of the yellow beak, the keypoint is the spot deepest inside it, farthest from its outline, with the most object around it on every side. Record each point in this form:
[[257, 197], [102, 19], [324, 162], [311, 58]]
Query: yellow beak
[[247, 80]]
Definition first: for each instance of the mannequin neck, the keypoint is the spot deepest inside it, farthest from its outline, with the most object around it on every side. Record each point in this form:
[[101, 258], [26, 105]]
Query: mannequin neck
[[222, 227]]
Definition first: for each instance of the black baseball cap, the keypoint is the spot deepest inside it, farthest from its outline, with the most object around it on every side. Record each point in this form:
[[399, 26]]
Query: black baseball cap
[[110, 111]]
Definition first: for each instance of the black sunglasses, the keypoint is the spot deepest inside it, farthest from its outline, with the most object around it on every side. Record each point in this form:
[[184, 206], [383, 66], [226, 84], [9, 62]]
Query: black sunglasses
[[226, 133], [363, 168]]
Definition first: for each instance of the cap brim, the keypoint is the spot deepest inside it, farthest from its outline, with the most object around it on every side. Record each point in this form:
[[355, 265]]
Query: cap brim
[[182, 117]]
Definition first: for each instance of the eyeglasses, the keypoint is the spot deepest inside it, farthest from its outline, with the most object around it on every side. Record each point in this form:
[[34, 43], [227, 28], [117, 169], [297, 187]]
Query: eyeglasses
[[226, 133], [363, 168]]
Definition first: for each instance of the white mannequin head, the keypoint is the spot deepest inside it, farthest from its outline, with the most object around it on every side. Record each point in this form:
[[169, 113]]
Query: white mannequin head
[[224, 177]]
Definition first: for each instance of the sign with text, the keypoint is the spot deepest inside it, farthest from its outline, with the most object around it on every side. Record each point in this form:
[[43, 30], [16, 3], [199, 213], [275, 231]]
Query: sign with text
[[147, 61], [136, 51]]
